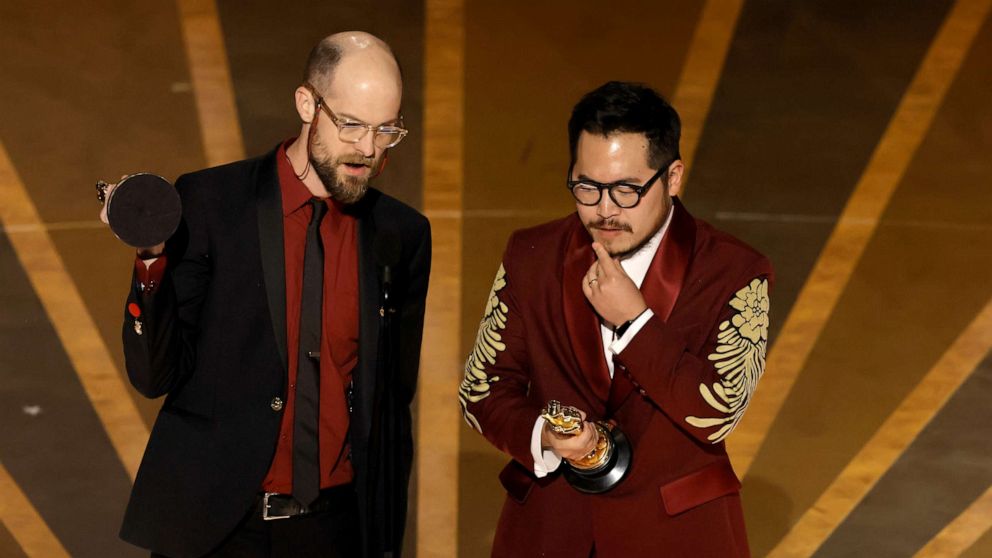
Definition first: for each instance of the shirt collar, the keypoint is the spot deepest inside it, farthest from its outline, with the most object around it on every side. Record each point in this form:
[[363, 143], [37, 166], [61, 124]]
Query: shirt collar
[[636, 265], [294, 191]]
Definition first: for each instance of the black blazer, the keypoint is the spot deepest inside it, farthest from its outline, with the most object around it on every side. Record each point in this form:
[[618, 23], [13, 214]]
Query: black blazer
[[213, 341]]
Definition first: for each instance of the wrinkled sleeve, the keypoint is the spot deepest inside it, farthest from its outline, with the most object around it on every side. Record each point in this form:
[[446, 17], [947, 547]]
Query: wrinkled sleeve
[[493, 393], [705, 393], [163, 306]]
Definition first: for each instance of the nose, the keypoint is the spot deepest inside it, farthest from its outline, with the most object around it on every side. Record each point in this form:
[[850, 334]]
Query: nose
[[366, 145], [606, 209]]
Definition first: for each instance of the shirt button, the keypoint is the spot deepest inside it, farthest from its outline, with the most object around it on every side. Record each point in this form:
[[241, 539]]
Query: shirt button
[[276, 404]]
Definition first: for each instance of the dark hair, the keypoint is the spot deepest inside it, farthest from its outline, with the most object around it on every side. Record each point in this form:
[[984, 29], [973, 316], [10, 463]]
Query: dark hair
[[620, 106], [321, 63]]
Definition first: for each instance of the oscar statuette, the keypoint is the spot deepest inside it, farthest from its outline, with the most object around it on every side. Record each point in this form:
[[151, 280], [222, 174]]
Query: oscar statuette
[[143, 210], [606, 465]]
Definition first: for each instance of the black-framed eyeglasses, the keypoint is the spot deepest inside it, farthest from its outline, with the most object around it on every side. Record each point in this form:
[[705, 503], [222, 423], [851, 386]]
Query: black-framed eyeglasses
[[589, 192], [384, 136]]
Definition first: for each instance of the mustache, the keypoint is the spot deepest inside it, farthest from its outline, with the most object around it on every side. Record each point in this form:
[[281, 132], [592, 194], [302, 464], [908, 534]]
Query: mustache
[[355, 160], [611, 224]]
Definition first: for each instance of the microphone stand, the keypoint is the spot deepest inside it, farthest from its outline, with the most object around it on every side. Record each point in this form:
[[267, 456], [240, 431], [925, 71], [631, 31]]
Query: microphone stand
[[384, 418]]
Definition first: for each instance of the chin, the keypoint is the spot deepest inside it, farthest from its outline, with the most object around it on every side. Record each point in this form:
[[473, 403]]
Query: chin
[[625, 247]]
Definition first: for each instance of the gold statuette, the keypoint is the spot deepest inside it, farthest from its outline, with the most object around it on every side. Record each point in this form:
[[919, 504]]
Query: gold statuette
[[603, 467], [565, 421]]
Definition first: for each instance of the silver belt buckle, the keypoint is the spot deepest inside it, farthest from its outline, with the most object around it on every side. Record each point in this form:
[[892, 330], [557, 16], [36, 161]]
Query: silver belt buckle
[[265, 508]]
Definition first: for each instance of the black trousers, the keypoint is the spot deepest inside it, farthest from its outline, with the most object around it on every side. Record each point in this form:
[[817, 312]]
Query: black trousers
[[328, 534]]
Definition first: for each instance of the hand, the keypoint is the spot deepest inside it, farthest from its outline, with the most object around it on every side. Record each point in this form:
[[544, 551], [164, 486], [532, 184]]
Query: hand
[[574, 446], [143, 253], [106, 200], [611, 292]]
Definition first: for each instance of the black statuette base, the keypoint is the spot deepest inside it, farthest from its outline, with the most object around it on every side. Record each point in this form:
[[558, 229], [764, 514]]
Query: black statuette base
[[607, 477]]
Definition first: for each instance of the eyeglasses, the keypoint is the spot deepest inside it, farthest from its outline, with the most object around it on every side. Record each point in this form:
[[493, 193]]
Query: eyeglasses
[[625, 195], [384, 136]]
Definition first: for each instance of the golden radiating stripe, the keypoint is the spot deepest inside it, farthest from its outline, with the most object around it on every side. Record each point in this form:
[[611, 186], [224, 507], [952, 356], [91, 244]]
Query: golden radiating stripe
[[857, 223], [701, 72], [958, 535], [441, 362], [212, 89], [22, 520], [69, 316], [891, 439]]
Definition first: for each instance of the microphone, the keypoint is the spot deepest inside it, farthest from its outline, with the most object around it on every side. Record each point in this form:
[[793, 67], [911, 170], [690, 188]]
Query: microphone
[[387, 248]]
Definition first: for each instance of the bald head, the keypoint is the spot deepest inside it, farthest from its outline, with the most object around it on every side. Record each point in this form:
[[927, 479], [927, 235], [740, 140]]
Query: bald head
[[357, 56]]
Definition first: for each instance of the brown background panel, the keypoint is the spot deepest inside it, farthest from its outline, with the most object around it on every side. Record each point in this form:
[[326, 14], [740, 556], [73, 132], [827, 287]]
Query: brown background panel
[[8, 545], [947, 466], [88, 96], [267, 46], [526, 65], [61, 457], [939, 476], [894, 321], [982, 547], [921, 280], [807, 91]]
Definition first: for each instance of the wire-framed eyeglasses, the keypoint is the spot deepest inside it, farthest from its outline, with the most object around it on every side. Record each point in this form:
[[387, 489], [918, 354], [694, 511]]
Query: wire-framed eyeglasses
[[589, 192], [384, 136]]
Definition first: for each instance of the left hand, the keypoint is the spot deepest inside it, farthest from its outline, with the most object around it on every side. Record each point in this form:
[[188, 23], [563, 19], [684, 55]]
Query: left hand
[[611, 292]]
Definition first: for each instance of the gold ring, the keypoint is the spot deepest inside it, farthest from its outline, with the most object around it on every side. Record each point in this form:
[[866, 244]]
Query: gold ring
[[593, 280]]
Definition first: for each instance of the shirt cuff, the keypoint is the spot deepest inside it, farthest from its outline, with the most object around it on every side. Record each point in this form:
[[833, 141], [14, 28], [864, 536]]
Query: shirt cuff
[[545, 461], [619, 344]]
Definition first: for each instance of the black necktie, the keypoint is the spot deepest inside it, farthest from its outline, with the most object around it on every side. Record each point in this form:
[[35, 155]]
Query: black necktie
[[306, 451]]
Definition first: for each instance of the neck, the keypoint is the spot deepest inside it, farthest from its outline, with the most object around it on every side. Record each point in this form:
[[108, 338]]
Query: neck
[[299, 158]]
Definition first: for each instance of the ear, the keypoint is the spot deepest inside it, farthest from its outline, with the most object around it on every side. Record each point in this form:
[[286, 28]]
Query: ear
[[675, 173], [305, 104]]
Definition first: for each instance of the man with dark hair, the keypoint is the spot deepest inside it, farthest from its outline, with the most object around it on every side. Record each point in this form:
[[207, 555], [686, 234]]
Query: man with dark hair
[[283, 322], [646, 322]]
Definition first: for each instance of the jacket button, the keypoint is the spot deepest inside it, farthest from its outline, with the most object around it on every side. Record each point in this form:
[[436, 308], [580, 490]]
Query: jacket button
[[276, 404], [642, 392]]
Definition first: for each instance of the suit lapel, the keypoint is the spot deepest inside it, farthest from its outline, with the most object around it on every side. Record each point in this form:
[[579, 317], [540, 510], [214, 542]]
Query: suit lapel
[[270, 241], [369, 294], [662, 284], [581, 320]]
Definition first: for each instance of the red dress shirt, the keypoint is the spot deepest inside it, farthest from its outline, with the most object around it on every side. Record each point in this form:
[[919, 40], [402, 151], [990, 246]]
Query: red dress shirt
[[339, 329]]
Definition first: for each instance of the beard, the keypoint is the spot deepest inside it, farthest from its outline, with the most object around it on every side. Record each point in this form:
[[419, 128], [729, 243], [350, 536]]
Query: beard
[[343, 188], [624, 247]]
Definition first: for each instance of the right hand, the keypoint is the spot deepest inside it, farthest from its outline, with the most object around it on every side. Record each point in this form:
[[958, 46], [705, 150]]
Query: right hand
[[571, 446], [143, 253]]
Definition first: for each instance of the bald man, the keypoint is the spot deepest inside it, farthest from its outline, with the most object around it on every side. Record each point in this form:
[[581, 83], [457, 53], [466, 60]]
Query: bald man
[[282, 323]]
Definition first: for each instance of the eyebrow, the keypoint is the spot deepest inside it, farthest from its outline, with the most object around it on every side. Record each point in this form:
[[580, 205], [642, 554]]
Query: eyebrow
[[347, 116], [633, 180]]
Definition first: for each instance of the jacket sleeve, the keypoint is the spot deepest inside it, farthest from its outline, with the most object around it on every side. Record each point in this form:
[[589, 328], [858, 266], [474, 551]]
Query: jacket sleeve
[[411, 319], [705, 393], [160, 324], [493, 393]]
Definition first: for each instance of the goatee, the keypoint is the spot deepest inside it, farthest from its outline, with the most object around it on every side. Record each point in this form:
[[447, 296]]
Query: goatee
[[345, 189]]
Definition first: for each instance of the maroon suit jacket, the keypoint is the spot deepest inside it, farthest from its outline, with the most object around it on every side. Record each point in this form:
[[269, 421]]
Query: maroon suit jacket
[[679, 387]]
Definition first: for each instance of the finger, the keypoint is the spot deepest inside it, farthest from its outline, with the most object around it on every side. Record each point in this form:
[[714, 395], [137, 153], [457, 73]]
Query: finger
[[603, 259]]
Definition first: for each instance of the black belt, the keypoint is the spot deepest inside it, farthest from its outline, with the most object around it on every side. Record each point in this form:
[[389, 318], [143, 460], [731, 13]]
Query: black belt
[[284, 506]]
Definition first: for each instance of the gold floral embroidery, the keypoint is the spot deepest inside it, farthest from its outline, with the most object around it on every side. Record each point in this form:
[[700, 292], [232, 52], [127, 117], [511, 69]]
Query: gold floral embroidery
[[739, 359], [488, 345]]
